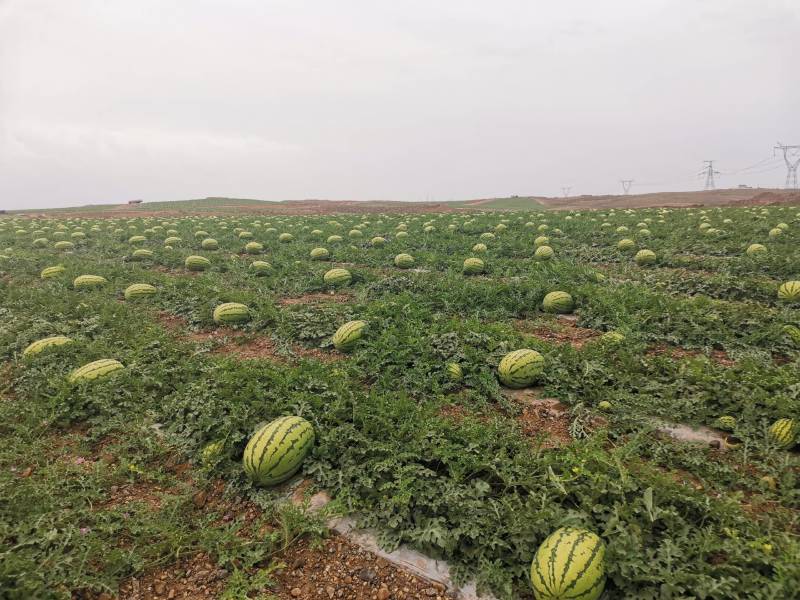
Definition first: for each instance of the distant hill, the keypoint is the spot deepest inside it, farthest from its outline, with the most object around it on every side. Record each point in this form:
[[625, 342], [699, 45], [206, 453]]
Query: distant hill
[[224, 206]]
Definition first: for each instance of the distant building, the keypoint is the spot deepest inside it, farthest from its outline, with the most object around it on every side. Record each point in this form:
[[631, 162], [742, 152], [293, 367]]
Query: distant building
[[135, 201], [744, 186]]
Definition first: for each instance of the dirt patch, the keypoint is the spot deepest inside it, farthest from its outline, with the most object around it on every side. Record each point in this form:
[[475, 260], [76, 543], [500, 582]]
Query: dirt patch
[[718, 356], [196, 577], [456, 412], [343, 570], [317, 298], [121, 495], [562, 332], [547, 421]]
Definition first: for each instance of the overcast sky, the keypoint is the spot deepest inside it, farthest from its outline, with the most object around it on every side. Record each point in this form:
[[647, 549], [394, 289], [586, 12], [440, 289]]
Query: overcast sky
[[110, 100]]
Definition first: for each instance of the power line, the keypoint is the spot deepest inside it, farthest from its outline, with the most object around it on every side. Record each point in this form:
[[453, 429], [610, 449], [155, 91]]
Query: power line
[[626, 185], [566, 190], [758, 164]]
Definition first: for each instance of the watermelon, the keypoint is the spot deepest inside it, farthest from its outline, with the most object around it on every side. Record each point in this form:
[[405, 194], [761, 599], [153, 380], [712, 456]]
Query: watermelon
[[172, 241], [197, 263], [542, 240], [378, 242], [776, 232], [334, 239], [337, 277], [276, 451], [454, 372], [755, 250], [347, 336], [789, 291], [612, 337], [137, 239], [88, 281], [558, 302], [625, 244], [355, 234], [285, 238], [95, 370], [253, 248], [401, 234], [320, 254], [520, 368], [604, 405], [726, 422], [487, 236], [139, 290], [645, 257], [142, 254], [211, 452], [63, 245], [231, 313], [43, 344], [50, 272], [784, 432], [792, 332], [473, 266], [479, 248], [570, 563], [543, 253], [404, 261], [40, 242], [245, 235], [209, 244], [260, 267]]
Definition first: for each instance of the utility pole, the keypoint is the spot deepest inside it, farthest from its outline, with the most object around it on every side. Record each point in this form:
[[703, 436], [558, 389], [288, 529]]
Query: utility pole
[[566, 191], [626, 185], [709, 172], [789, 154]]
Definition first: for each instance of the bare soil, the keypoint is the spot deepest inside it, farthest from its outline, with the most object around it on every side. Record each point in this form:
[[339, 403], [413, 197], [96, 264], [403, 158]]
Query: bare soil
[[561, 332]]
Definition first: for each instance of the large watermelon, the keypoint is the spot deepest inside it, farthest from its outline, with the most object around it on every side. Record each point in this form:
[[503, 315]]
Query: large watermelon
[[231, 313], [645, 257], [784, 432], [320, 254], [49, 272], [348, 335], [558, 302], [142, 254], [95, 370], [139, 290], [543, 253], [520, 368], [337, 277], [209, 244], [253, 247], [570, 563], [260, 267], [404, 261], [89, 281], [276, 451], [789, 291], [43, 344], [473, 266], [755, 249], [197, 263]]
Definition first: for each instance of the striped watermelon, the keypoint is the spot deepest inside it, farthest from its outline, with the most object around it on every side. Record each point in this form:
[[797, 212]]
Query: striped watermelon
[[789, 291], [139, 290], [142, 254], [558, 302], [792, 332], [473, 266], [479, 248], [209, 244], [260, 267], [43, 344], [520, 368], [337, 277], [604, 405], [320, 254], [211, 452], [543, 253], [285, 238], [63, 245], [137, 239], [253, 247], [89, 281], [784, 432], [172, 241], [49, 272], [348, 335], [776, 232], [542, 240], [612, 337], [95, 370], [40, 243], [755, 250], [645, 257], [570, 563], [404, 261], [197, 263], [231, 313], [626, 244], [334, 239], [276, 451], [454, 372], [726, 422], [378, 242]]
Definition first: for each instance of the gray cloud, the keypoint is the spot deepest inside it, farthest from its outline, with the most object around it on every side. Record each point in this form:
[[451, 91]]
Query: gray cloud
[[106, 100]]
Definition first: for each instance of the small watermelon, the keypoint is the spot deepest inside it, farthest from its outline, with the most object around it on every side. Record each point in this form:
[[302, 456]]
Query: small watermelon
[[197, 263], [473, 266], [454, 372], [139, 290], [755, 250], [43, 344], [726, 422], [645, 257], [404, 261], [89, 281], [789, 291], [784, 432], [50, 272], [253, 248], [260, 267], [95, 370], [337, 277], [543, 253], [558, 302]]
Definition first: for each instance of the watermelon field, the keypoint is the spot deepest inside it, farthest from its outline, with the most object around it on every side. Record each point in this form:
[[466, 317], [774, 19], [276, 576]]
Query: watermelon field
[[509, 392]]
